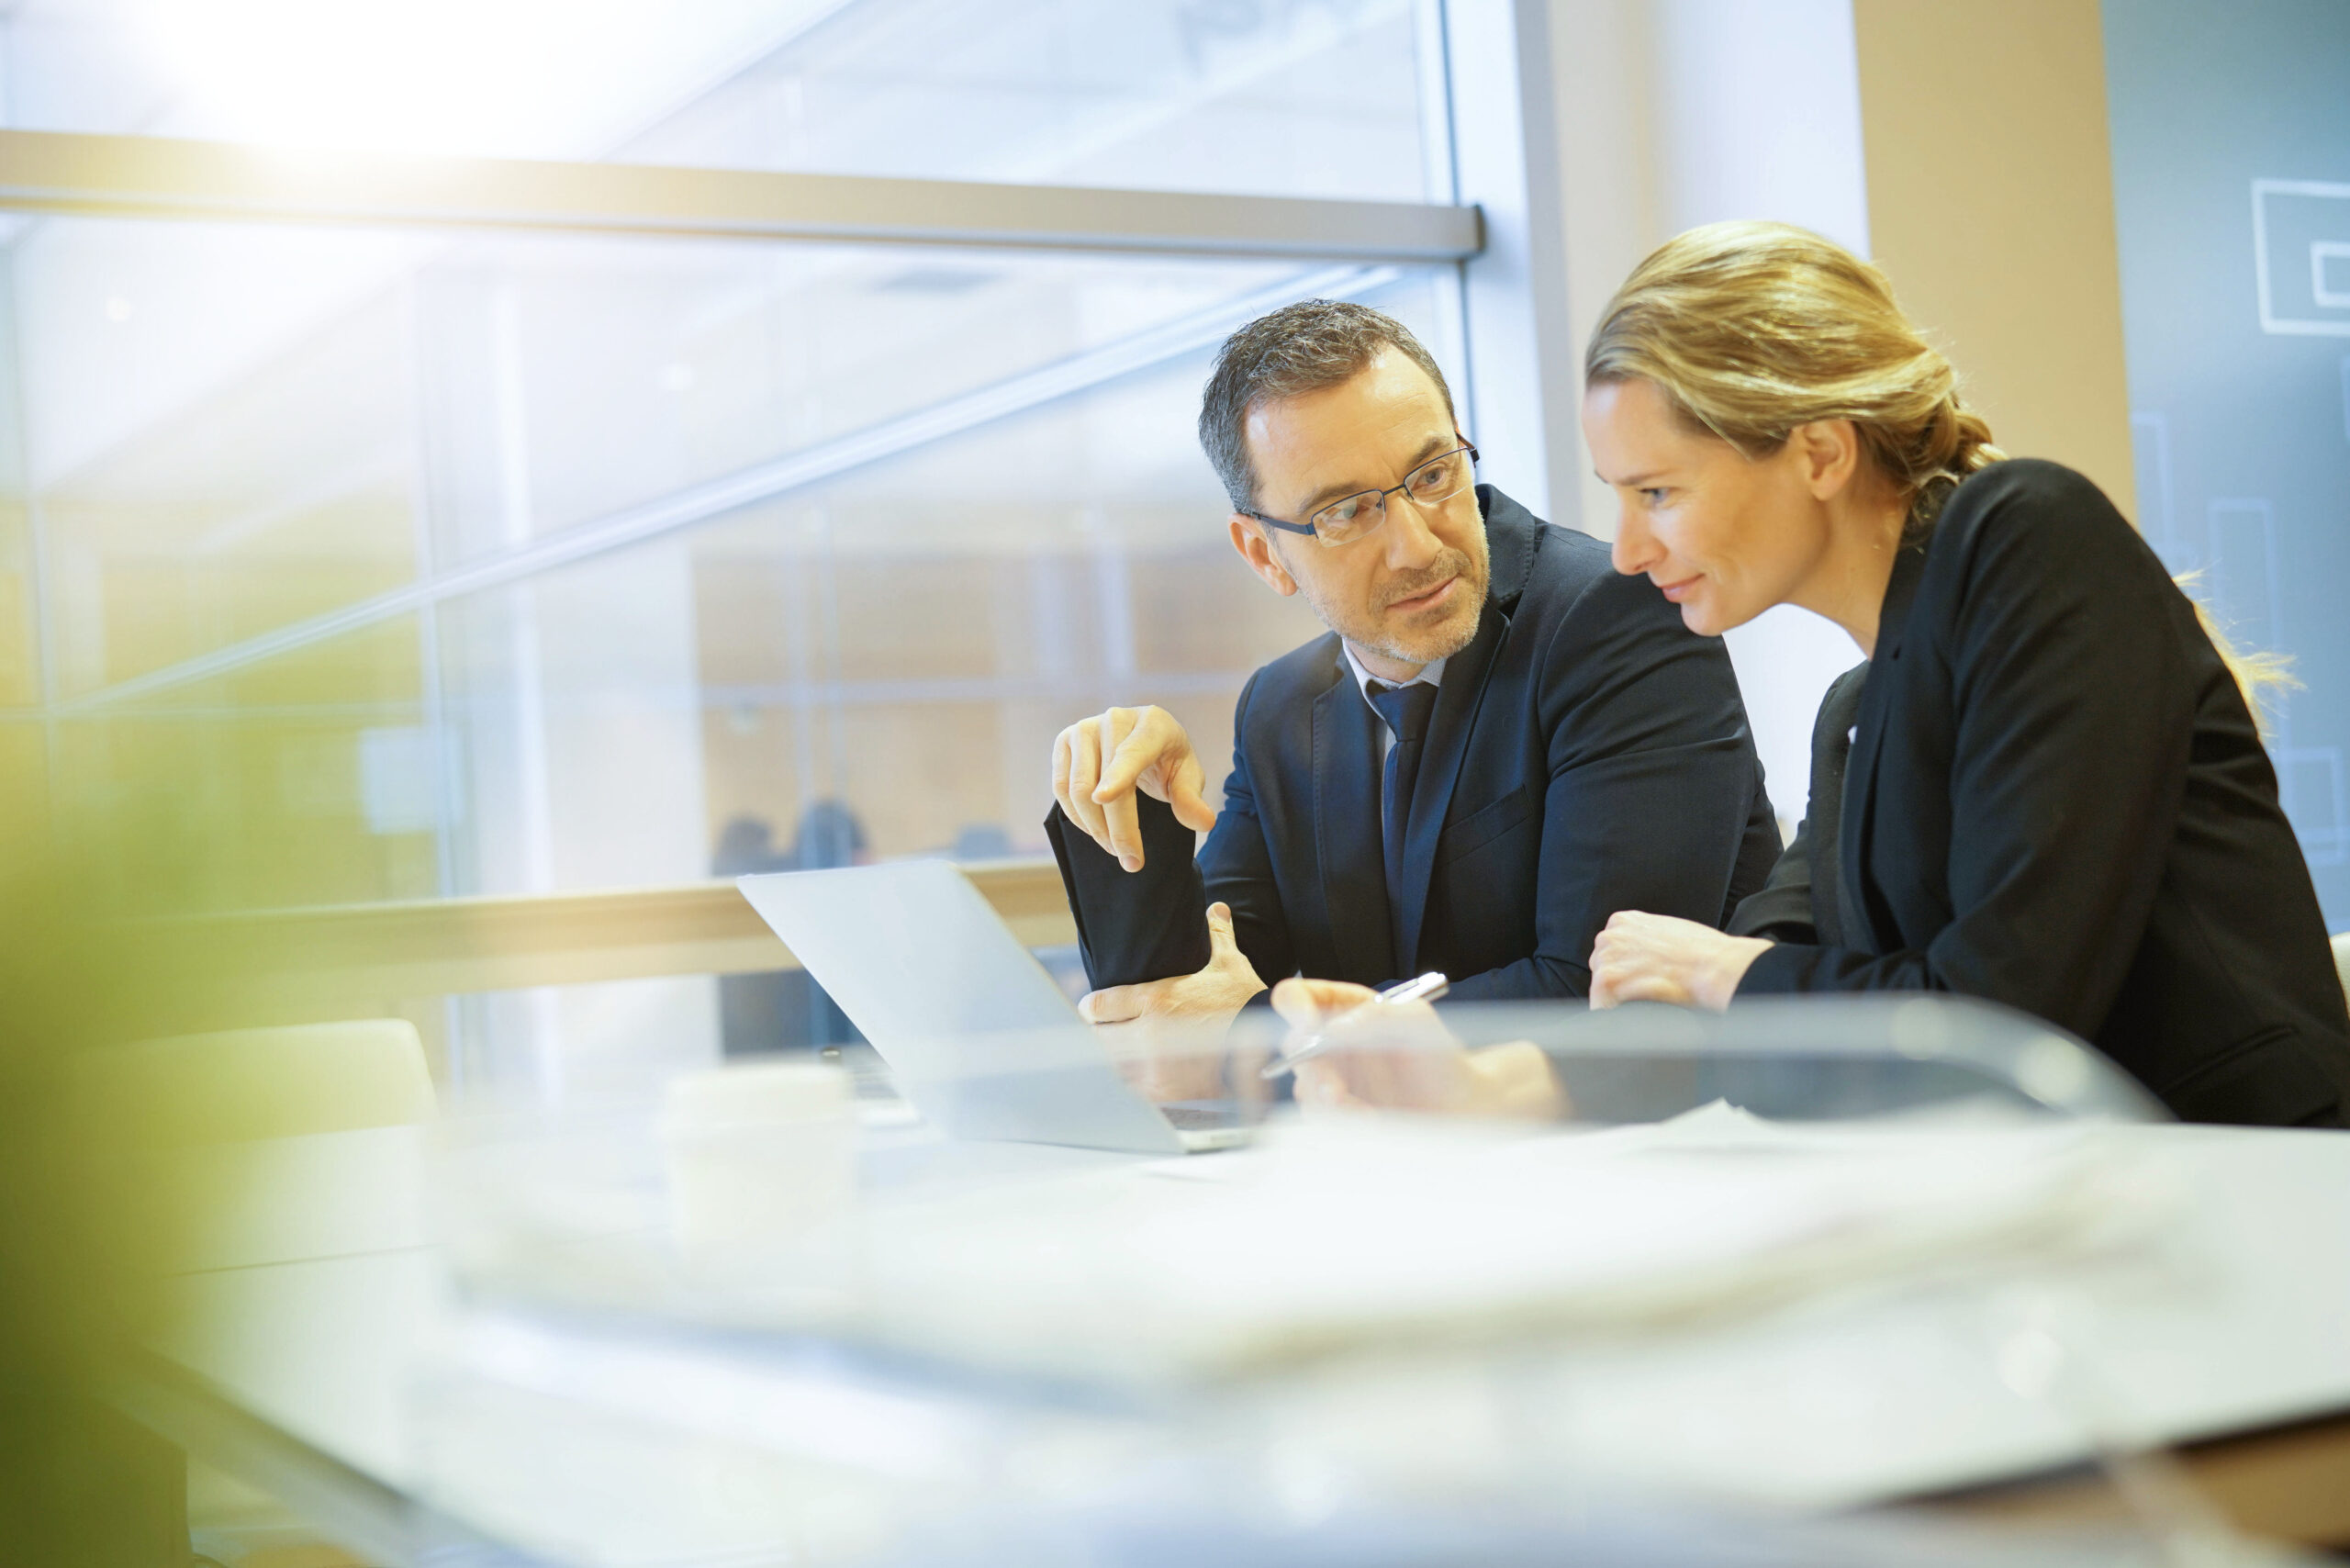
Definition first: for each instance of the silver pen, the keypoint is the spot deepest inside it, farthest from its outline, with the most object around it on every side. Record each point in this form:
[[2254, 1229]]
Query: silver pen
[[1427, 987]]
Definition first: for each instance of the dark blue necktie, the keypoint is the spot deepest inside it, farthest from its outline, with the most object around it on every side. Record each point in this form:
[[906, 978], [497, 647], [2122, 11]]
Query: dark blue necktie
[[1406, 710]]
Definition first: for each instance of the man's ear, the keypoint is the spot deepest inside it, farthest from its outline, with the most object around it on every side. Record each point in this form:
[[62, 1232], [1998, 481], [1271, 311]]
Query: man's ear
[[1249, 538], [1830, 451]]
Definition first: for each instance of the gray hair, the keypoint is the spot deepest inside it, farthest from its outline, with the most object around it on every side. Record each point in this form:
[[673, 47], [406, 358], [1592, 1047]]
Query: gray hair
[[1306, 347]]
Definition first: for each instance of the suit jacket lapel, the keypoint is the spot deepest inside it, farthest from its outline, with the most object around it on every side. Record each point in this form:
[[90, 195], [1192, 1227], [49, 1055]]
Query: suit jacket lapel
[[1347, 834], [1831, 748], [1852, 838], [1458, 698], [1860, 777]]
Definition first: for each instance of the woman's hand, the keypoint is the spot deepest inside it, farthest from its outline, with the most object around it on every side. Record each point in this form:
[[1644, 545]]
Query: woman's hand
[[1403, 1057], [1655, 957]]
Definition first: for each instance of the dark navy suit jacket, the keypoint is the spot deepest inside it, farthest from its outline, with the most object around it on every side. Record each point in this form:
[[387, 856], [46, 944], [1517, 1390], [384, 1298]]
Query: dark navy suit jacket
[[1587, 754]]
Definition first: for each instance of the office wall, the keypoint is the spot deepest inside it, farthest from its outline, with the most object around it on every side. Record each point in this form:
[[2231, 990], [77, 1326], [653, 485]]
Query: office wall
[[2231, 130], [1990, 205], [1965, 148], [1673, 113]]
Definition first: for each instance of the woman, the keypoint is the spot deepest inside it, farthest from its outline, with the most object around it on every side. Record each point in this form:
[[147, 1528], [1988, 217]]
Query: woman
[[2056, 797]]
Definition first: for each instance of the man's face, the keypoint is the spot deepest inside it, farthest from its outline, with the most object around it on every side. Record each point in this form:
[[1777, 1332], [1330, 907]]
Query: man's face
[[1411, 591]]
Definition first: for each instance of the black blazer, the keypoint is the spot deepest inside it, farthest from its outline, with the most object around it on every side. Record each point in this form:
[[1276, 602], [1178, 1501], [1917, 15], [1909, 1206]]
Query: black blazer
[[1587, 754], [2058, 800]]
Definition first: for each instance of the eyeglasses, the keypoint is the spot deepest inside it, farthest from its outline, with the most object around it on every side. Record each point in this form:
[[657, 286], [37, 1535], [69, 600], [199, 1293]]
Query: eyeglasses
[[1343, 521]]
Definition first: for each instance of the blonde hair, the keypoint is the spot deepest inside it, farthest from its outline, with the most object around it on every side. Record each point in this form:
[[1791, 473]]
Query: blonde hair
[[1751, 329], [2263, 678]]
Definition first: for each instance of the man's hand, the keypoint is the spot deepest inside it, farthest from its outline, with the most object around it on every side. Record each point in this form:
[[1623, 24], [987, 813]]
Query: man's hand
[[1402, 1057], [1098, 763], [1214, 995], [1657, 957], [1185, 1063]]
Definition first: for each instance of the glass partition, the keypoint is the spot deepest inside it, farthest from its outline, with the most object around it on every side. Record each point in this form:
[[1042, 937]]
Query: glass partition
[[232, 430], [408, 563], [921, 1316], [2231, 214], [1283, 98], [823, 665], [1770, 1075], [887, 641]]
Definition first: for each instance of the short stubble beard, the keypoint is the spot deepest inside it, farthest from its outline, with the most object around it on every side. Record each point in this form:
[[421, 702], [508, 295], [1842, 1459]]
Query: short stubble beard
[[1365, 628]]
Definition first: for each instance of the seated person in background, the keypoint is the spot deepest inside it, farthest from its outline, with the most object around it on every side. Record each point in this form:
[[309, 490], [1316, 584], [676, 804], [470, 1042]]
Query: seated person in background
[[1499, 742], [785, 1010], [2056, 797]]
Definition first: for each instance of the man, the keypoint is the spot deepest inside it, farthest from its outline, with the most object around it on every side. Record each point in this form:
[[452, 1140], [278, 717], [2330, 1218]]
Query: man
[[1501, 742]]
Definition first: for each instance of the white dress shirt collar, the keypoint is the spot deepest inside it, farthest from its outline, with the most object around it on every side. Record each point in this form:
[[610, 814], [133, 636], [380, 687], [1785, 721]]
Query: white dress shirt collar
[[1430, 675]]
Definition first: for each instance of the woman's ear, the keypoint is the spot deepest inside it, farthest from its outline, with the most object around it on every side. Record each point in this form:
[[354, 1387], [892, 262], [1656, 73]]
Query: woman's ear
[[1249, 538], [1829, 451]]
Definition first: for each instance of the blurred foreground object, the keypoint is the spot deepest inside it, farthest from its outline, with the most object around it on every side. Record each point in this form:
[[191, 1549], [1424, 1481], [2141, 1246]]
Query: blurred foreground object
[[240, 1084], [755, 1157], [81, 1242], [1377, 1339], [1801, 1059]]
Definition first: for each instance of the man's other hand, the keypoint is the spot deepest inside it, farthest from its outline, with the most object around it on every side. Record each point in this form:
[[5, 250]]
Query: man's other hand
[[1402, 1057], [1098, 763], [1184, 1063], [1216, 994]]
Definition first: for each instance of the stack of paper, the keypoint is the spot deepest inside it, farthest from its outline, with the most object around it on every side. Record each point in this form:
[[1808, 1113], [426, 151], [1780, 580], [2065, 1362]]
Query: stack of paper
[[1385, 1234]]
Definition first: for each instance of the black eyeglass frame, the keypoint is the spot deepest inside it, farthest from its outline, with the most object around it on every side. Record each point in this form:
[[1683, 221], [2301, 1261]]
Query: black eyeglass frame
[[1283, 524]]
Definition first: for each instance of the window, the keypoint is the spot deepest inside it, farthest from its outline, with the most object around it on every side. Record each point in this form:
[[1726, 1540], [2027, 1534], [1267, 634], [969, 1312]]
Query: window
[[404, 559]]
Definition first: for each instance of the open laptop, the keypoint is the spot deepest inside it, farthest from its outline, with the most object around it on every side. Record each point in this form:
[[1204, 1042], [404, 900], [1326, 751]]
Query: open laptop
[[978, 1038]]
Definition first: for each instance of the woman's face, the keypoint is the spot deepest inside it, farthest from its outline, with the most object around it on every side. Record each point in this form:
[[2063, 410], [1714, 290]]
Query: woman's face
[[1722, 535]]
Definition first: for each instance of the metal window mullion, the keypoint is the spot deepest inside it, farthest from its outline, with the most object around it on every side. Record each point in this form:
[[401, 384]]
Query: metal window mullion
[[143, 176]]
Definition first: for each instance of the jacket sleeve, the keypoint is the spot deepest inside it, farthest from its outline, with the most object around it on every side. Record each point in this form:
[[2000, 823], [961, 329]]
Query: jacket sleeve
[[1781, 910], [1134, 925], [2070, 715], [1152, 923], [1237, 869], [1652, 782]]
